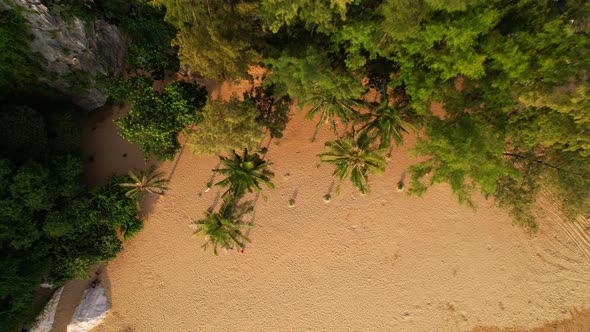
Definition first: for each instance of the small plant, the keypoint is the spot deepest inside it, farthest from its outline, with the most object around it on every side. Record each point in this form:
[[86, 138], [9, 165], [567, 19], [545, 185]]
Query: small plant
[[209, 184], [327, 198], [291, 202]]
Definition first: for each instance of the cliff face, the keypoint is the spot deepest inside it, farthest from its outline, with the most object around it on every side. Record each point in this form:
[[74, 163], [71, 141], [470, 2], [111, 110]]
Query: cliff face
[[75, 51]]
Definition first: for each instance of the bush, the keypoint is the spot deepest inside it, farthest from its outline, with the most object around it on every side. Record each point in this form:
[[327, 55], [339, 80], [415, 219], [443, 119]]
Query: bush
[[227, 125], [156, 118], [19, 68], [274, 111], [51, 227]]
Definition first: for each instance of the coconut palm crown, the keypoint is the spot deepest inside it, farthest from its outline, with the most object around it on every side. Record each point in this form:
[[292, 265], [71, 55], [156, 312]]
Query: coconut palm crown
[[388, 122], [145, 181], [354, 157], [244, 173], [330, 108], [223, 229]]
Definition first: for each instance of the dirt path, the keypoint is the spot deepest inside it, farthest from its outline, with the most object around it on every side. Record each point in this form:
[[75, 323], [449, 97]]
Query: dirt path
[[380, 262]]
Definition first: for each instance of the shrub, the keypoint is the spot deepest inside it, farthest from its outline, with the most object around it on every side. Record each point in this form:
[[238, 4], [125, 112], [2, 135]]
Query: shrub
[[227, 125]]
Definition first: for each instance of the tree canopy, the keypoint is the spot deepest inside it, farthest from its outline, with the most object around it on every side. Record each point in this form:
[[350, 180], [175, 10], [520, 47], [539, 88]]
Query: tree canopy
[[511, 76], [227, 125], [217, 38], [156, 118], [52, 227]]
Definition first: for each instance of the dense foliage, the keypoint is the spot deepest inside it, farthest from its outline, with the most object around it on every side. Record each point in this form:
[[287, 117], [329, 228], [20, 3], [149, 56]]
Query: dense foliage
[[216, 38], [227, 125], [156, 118], [18, 66], [52, 227], [274, 110], [511, 75], [150, 37]]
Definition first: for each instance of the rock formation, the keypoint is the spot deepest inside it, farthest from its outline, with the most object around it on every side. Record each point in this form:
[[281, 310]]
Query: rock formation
[[75, 51]]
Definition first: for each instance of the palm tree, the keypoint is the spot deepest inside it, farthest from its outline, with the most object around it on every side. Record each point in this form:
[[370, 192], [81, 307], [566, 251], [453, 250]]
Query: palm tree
[[388, 123], [354, 157], [223, 229], [331, 107], [244, 173], [145, 181]]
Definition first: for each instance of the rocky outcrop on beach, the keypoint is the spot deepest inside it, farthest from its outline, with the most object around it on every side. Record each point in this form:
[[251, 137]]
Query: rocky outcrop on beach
[[75, 51]]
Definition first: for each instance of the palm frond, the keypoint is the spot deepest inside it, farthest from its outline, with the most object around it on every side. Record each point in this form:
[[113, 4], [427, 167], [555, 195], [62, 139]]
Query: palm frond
[[354, 157], [145, 181], [244, 173], [222, 230]]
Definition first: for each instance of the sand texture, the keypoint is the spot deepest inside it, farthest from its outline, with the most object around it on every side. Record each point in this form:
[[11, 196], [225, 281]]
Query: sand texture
[[380, 262]]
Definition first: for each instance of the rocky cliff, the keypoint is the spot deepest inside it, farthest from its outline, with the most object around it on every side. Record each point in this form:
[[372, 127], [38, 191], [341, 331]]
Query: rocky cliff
[[76, 51]]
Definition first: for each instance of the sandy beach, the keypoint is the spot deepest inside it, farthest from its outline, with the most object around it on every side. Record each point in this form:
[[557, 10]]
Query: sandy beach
[[380, 262]]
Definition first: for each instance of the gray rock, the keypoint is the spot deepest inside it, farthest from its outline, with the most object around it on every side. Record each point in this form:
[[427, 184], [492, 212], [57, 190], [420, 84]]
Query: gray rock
[[74, 48]]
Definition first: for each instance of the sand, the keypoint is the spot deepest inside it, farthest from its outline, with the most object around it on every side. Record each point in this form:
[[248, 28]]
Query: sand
[[380, 262]]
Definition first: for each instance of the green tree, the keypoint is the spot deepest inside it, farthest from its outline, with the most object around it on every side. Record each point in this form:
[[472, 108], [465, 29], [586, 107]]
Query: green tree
[[116, 208], [52, 227], [215, 38], [274, 110], [387, 121], [19, 67], [22, 129], [145, 181], [463, 153], [156, 118], [517, 107], [322, 16], [151, 37], [227, 125], [354, 158], [244, 173], [312, 82], [223, 229]]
